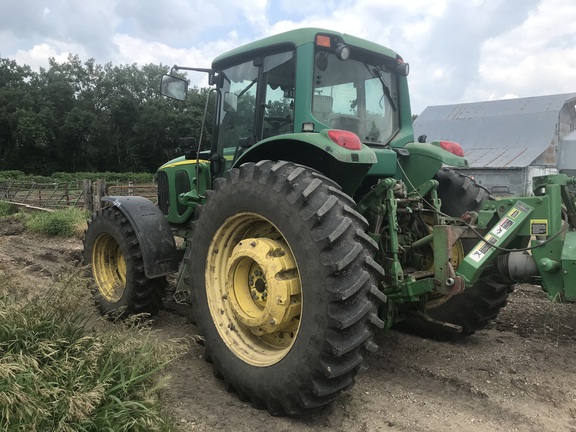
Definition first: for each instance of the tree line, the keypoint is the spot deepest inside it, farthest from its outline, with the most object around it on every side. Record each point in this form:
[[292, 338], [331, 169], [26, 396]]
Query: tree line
[[76, 116]]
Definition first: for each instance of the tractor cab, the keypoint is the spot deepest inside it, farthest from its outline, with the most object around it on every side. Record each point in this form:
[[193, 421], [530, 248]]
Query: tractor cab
[[326, 100]]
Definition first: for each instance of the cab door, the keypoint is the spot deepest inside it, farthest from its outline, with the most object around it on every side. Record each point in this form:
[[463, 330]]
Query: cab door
[[256, 101]]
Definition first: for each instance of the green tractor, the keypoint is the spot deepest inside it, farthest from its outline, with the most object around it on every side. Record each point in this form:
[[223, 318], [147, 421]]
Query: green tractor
[[316, 219]]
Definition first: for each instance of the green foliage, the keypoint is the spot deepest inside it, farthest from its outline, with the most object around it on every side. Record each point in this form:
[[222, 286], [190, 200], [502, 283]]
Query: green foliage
[[110, 177], [70, 222], [78, 116], [12, 175], [66, 177], [60, 373], [7, 209]]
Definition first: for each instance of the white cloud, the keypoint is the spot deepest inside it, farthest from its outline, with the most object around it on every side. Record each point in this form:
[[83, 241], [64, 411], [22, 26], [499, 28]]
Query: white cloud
[[459, 51], [535, 58], [38, 55], [254, 12]]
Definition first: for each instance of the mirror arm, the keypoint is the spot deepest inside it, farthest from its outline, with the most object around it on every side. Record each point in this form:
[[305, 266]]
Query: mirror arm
[[177, 68]]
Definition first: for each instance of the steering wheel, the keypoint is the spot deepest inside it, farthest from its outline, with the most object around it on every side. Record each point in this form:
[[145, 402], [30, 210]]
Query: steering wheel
[[278, 122]]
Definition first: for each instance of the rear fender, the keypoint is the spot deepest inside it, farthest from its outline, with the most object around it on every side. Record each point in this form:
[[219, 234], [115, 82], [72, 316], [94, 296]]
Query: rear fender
[[423, 162], [153, 233], [315, 150]]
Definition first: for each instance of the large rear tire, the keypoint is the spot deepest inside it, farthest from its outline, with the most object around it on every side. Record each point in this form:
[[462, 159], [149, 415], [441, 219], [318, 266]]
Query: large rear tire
[[284, 287], [479, 304], [113, 256]]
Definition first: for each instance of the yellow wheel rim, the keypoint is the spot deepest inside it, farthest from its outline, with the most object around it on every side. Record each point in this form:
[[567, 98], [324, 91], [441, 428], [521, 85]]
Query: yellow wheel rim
[[254, 290], [109, 268]]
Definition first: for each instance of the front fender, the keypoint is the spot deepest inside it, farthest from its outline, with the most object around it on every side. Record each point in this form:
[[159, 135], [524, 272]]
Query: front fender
[[153, 233]]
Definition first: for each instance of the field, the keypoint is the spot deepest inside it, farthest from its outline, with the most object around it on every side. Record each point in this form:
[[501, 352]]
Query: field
[[517, 375]]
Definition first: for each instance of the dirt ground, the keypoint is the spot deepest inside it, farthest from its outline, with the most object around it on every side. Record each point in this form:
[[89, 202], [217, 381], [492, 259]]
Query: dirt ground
[[517, 375]]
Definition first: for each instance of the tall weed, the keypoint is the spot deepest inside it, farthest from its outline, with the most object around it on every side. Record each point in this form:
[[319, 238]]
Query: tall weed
[[7, 209], [62, 369], [70, 222]]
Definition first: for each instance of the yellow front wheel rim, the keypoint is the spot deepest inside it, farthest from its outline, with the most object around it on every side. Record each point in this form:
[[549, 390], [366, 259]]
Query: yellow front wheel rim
[[109, 268], [253, 289]]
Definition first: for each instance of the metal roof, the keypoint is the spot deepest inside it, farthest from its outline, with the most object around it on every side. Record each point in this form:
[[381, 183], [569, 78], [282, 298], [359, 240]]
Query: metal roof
[[502, 157], [509, 133]]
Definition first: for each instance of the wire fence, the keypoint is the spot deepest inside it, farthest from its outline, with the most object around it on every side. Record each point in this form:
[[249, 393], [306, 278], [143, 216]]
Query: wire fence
[[85, 194]]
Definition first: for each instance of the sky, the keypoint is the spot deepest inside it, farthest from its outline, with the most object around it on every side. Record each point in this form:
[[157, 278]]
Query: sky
[[458, 50]]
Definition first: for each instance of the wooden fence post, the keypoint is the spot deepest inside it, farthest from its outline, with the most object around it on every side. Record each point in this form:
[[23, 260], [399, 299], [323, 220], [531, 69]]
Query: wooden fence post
[[67, 194], [7, 194], [100, 192], [88, 205]]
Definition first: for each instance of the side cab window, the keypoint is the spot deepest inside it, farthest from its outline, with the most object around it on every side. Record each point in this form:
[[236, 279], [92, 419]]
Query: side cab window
[[256, 102], [237, 110], [279, 74]]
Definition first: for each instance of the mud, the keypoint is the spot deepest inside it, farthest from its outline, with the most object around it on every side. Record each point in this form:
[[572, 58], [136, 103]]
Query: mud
[[517, 375]]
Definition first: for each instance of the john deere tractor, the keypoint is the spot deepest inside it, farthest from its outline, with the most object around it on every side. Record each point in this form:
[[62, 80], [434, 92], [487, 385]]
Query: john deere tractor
[[316, 219]]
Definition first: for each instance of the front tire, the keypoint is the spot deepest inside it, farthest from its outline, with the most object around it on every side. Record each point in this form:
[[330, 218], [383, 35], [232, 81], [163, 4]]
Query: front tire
[[284, 287], [113, 255]]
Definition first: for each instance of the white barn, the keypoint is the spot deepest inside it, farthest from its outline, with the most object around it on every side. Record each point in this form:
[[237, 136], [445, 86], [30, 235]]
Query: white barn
[[507, 142]]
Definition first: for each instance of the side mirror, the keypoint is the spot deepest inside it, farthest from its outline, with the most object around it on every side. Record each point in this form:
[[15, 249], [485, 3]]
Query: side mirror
[[173, 87], [230, 102], [189, 146]]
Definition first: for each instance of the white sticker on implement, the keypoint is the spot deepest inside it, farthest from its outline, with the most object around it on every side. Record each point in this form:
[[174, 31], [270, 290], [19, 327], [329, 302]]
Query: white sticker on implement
[[482, 248], [502, 227]]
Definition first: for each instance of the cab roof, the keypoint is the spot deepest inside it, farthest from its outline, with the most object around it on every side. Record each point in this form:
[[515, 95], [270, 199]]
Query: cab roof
[[294, 39]]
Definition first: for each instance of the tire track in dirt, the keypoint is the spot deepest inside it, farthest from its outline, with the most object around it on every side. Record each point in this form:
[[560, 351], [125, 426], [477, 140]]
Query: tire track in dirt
[[36, 260], [493, 381]]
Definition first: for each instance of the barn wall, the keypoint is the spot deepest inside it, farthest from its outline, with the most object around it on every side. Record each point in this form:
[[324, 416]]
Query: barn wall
[[535, 171], [567, 132]]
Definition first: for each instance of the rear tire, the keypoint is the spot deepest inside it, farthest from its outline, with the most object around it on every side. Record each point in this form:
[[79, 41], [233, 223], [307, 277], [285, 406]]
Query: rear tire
[[479, 304], [273, 226], [113, 256]]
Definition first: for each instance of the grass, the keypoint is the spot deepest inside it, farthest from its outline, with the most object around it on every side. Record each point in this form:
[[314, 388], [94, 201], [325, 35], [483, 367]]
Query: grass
[[63, 370], [7, 209], [69, 222]]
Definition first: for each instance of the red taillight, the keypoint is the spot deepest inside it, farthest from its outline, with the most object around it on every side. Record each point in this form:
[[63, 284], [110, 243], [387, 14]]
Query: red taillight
[[346, 139], [452, 147]]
